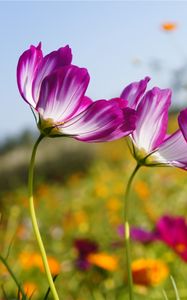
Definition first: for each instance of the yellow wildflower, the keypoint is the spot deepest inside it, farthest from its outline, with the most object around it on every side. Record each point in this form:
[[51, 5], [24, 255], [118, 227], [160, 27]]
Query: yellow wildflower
[[101, 190]]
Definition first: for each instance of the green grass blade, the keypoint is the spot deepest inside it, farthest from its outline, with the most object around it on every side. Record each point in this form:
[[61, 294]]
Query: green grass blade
[[4, 262], [48, 291], [175, 288], [165, 295]]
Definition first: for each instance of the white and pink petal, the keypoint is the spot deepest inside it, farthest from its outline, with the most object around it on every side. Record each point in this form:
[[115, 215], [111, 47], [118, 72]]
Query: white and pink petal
[[62, 92], [173, 151], [100, 122], [182, 119], [84, 103], [134, 91], [152, 119], [26, 71], [50, 63]]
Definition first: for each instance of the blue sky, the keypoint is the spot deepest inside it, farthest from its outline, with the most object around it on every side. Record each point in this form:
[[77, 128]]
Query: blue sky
[[116, 41]]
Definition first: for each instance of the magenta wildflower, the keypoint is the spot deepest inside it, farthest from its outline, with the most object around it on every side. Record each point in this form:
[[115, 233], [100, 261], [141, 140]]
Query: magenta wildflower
[[84, 247], [55, 90], [144, 236], [151, 143], [138, 234], [170, 230], [173, 232]]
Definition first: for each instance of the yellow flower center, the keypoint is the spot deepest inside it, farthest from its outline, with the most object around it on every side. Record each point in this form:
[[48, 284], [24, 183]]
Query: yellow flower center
[[145, 158], [48, 127]]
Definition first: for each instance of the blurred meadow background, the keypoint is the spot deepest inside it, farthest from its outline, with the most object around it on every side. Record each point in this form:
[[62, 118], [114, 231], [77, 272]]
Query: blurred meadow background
[[79, 187]]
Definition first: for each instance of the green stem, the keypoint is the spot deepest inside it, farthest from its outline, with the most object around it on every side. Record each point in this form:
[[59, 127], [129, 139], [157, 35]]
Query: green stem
[[127, 232], [3, 260], [34, 221]]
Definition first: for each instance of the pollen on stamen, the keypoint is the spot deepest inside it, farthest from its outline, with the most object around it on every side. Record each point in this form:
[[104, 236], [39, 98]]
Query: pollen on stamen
[[59, 123]]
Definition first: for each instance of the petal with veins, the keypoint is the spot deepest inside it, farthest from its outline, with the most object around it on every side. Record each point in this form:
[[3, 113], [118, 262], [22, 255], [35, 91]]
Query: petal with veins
[[61, 93], [50, 63], [101, 121], [26, 70], [183, 122], [134, 91], [173, 151], [85, 102], [152, 119]]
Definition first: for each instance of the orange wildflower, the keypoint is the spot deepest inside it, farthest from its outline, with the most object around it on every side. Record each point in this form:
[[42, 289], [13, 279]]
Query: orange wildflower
[[42, 190], [169, 26], [142, 189], [54, 265], [29, 288], [3, 270], [23, 232], [74, 179], [143, 192], [180, 248], [103, 260], [114, 204], [80, 217], [149, 272], [34, 260]]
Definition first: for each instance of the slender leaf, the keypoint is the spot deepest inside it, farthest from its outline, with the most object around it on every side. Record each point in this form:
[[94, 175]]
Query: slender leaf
[[175, 288], [48, 290], [3, 260], [165, 295], [4, 293]]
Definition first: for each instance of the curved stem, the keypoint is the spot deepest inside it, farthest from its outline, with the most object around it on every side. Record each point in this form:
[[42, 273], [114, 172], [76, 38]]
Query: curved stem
[[127, 232], [34, 221]]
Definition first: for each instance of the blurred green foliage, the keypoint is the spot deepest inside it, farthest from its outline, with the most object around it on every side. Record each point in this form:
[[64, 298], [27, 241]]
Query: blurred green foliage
[[79, 193]]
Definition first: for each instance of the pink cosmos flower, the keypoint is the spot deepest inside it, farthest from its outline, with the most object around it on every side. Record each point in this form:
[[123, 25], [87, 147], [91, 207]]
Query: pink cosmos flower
[[171, 230], [55, 90], [150, 141]]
